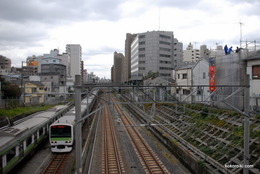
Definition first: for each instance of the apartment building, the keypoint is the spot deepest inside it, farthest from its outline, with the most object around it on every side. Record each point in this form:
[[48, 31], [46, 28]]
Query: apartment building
[[191, 54], [155, 51], [52, 70]]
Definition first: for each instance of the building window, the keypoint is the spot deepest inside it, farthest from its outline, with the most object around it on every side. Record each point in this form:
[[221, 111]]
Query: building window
[[256, 72], [165, 55], [165, 62], [184, 76], [164, 36], [204, 75], [178, 76], [142, 43], [165, 43], [165, 68], [34, 89], [186, 92], [164, 49]]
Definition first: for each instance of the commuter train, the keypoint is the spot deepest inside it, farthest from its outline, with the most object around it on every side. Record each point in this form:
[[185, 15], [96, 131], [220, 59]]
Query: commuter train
[[20, 140], [62, 132]]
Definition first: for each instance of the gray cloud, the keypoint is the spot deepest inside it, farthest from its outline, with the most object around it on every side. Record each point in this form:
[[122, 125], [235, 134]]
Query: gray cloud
[[254, 6], [59, 10], [21, 35], [184, 4], [101, 50]]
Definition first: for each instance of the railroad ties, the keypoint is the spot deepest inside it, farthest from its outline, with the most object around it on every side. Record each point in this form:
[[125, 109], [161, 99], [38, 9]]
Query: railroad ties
[[151, 163], [111, 158], [55, 166]]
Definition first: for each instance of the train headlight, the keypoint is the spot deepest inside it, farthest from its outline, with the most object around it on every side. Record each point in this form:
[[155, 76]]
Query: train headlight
[[53, 141], [67, 141]]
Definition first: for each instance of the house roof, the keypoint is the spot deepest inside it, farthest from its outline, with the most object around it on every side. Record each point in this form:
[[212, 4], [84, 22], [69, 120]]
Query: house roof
[[37, 83], [253, 55]]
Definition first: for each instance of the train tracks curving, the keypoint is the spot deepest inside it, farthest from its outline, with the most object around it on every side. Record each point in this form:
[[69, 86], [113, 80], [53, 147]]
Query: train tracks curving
[[111, 159], [55, 166], [150, 161]]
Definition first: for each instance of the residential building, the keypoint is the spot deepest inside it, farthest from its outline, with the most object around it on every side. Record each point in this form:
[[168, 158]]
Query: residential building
[[204, 52], [154, 52], [177, 53], [183, 78], [33, 92], [191, 54], [32, 65], [5, 63], [75, 53], [253, 70], [65, 60], [84, 76], [192, 81], [53, 71]]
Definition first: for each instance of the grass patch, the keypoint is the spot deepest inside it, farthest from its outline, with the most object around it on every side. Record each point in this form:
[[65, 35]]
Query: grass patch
[[23, 110]]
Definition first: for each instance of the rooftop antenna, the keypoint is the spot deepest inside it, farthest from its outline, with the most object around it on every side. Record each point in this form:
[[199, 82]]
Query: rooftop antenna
[[159, 19], [240, 23]]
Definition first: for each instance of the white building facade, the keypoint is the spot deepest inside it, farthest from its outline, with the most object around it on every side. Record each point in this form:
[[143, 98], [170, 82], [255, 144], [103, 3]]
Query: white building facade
[[192, 81], [75, 53]]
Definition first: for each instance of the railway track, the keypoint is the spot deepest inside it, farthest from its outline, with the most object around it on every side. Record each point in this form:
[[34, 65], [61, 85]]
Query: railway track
[[150, 161], [111, 159], [55, 166]]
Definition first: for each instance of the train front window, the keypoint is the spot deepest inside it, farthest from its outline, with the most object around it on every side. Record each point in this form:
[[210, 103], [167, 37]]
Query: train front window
[[60, 131]]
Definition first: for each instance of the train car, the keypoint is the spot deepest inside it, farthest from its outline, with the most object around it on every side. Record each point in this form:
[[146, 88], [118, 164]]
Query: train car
[[62, 134], [20, 140], [62, 131]]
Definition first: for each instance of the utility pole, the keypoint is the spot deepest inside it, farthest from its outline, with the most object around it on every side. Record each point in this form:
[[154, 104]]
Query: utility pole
[[246, 126], [78, 133]]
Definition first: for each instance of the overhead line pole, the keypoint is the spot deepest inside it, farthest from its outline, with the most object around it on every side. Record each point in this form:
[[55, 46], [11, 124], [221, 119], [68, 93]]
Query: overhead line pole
[[246, 127], [78, 133]]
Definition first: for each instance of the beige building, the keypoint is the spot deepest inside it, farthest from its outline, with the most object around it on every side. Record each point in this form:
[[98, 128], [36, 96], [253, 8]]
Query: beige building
[[33, 92], [191, 54]]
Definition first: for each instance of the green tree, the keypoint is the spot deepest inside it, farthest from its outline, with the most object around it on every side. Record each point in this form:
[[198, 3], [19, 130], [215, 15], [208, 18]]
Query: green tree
[[151, 74], [10, 90]]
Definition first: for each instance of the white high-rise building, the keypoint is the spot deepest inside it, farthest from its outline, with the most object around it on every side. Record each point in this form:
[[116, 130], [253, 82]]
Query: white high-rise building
[[74, 51]]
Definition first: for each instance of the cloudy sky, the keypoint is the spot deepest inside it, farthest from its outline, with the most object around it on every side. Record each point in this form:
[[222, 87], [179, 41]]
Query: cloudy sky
[[34, 27]]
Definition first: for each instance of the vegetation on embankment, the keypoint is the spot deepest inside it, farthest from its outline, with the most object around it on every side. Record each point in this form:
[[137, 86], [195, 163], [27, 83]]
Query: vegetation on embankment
[[23, 110]]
